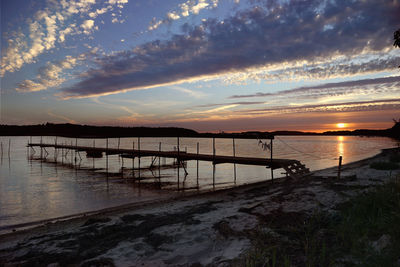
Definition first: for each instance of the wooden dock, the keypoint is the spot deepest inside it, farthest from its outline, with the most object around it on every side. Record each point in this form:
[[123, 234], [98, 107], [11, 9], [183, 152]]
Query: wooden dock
[[292, 167]]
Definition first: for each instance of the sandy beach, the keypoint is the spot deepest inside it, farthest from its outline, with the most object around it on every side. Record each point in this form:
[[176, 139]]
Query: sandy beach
[[213, 228]]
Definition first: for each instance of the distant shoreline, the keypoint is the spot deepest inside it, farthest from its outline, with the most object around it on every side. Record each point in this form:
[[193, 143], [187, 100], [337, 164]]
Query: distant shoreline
[[87, 131]]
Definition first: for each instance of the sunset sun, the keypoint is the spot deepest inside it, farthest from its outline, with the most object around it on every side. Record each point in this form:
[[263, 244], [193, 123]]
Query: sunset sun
[[341, 125]]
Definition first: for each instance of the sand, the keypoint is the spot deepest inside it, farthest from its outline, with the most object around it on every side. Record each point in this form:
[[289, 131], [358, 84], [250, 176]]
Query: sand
[[209, 229]]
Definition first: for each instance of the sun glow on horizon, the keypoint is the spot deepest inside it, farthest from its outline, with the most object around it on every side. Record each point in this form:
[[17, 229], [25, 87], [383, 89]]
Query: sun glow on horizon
[[341, 125]]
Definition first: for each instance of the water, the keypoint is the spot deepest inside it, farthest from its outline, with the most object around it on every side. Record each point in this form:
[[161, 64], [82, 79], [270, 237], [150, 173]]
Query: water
[[32, 189]]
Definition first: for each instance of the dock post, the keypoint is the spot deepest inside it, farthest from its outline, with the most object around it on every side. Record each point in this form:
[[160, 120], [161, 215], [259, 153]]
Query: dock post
[[178, 161], [122, 168], [119, 141], [62, 155], [76, 147], [9, 147], [55, 150], [94, 146], [30, 148], [213, 175], [272, 169], [133, 159], [159, 162], [107, 156], [339, 167], [139, 156], [234, 155], [1, 145], [41, 148], [72, 159], [213, 162], [178, 147], [213, 149], [197, 163]]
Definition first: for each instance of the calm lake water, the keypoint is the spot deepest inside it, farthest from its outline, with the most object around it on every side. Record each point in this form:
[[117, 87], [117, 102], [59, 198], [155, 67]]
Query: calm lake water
[[32, 189]]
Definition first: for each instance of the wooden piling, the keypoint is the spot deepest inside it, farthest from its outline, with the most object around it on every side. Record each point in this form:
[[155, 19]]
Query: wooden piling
[[159, 161], [272, 169], [30, 148], [62, 155], [107, 156], [234, 155], [133, 160], [139, 156], [76, 145], [213, 162], [197, 166], [213, 142], [213, 176], [41, 148], [178, 161], [94, 146], [55, 150], [339, 167], [122, 168], [9, 147]]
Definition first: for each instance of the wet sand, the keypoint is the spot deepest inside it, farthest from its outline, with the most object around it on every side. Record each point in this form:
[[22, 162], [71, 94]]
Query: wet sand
[[213, 228]]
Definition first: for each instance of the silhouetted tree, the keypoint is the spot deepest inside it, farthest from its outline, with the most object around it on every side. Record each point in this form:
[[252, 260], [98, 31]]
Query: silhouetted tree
[[396, 38]]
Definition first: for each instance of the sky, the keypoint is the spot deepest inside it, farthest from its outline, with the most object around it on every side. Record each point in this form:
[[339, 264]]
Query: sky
[[207, 65]]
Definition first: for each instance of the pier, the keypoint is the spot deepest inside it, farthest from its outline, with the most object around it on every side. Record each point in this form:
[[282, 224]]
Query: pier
[[293, 168]]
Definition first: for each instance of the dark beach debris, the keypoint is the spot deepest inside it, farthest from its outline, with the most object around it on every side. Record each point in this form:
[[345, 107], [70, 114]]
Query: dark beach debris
[[101, 262], [95, 238], [156, 240], [130, 218], [92, 221]]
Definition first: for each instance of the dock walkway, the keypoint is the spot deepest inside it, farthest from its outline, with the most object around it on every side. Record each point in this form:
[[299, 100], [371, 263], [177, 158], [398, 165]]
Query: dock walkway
[[293, 168]]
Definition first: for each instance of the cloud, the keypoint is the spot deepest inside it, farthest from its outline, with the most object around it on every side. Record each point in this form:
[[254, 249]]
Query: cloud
[[46, 28], [266, 36], [373, 105], [87, 25], [60, 117], [100, 11], [193, 93], [364, 86], [185, 9], [350, 66], [50, 75]]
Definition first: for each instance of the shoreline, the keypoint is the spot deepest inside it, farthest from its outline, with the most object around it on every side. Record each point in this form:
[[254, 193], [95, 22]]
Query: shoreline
[[27, 226], [179, 225], [129, 206]]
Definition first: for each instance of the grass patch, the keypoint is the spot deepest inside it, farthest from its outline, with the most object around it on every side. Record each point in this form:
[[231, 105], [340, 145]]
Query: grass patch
[[382, 165], [346, 238]]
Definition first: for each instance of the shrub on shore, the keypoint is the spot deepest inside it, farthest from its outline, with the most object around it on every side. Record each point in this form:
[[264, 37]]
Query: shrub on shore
[[363, 232]]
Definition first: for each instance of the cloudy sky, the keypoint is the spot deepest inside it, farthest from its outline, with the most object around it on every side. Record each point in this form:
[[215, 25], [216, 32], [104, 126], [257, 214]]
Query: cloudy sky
[[208, 65]]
